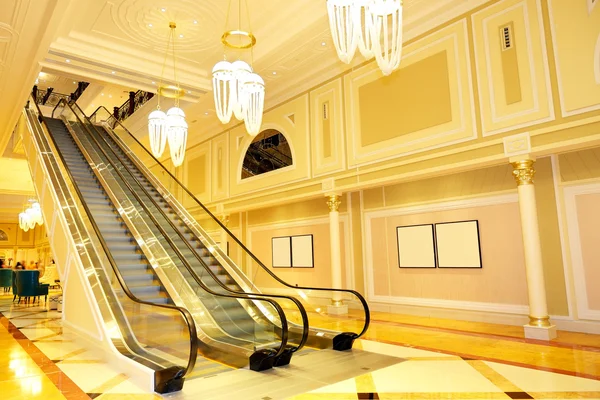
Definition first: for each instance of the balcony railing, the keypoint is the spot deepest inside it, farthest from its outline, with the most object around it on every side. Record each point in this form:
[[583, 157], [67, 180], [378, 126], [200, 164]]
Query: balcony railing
[[136, 100]]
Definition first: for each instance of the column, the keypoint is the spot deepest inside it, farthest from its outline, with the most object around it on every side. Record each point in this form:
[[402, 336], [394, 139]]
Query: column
[[337, 306], [539, 326]]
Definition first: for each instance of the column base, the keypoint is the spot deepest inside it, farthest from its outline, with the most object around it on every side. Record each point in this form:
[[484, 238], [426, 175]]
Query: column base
[[540, 332], [340, 309]]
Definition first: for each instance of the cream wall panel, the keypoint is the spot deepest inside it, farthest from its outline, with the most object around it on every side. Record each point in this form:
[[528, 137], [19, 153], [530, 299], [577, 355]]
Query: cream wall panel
[[450, 42], [327, 134], [500, 285], [260, 244], [295, 130], [496, 77], [581, 204], [576, 40], [220, 167], [197, 173]]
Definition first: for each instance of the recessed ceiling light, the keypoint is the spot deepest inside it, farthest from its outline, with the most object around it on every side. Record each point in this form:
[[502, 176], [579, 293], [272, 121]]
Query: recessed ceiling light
[[274, 72], [74, 82], [113, 72], [206, 113], [195, 21], [67, 60], [189, 91], [110, 96], [323, 44], [163, 9], [181, 35], [153, 82], [149, 25], [101, 94]]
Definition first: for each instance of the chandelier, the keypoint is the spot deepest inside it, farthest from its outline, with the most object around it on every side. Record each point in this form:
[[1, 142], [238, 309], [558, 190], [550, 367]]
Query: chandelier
[[237, 90], [171, 127], [31, 216], [374, 27]]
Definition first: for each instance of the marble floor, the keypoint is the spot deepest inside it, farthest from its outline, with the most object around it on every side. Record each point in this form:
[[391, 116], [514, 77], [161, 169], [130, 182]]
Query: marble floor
[[401, 357]]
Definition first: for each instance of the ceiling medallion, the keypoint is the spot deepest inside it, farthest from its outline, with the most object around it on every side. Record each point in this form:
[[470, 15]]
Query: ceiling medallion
[[374, 27], [171, 127], [237, 89]]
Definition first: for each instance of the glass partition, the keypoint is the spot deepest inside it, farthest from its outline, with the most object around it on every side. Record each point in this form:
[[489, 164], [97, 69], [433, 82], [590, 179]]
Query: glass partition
[[226, 319], [161, 337]]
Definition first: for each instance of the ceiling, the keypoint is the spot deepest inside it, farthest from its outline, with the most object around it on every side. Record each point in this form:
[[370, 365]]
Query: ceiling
[[122, 43]]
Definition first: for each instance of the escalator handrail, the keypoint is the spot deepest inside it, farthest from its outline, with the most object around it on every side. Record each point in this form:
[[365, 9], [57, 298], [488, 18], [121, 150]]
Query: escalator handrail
[[246, 296], [354, 292], [301, 309], [183, 311]]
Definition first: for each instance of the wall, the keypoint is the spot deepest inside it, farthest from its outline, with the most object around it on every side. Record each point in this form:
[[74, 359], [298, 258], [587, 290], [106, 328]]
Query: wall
[[460, 92], [432, 142]]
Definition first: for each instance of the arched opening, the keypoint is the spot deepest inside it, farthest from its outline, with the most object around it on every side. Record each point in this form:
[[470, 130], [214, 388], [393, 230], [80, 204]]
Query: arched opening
[[268, 152], [3, 236]]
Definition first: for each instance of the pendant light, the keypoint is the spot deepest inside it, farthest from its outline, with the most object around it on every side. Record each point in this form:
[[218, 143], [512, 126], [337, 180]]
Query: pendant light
[[171, 127], [374, 27], [31, 216], [237, 89]]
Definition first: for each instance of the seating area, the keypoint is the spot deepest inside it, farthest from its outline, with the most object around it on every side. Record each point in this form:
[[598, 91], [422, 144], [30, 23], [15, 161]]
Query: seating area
[[26, 285]]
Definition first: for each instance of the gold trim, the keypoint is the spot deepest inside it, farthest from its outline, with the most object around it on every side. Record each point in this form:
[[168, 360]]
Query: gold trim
[[334, 203], [171, 91], [236, 32], [543, 322], [337, 303], [523, 172]]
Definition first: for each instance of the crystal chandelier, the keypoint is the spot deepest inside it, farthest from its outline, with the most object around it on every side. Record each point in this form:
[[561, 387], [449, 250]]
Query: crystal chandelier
[[31, 216], [237, 89], [374, 27], [171, 127]]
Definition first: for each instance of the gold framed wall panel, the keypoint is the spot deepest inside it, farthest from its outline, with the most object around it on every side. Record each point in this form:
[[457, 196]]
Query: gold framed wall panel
[[513, 79], [327, 134], [577, 66], [220, 167], [197, 173], [428, 103], [292, 120]]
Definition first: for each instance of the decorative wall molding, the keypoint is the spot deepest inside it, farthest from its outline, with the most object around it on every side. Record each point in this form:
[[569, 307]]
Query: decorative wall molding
[[517, 145], [454, 40], [579, 279], [537, 114], [559, 73]]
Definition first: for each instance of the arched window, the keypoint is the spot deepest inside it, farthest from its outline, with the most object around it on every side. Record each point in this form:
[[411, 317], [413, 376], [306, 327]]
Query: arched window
[[268, 151], [3, 236]]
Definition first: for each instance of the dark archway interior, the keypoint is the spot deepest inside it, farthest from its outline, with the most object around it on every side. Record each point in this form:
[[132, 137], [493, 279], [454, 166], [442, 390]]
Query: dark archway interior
[[268, 151]]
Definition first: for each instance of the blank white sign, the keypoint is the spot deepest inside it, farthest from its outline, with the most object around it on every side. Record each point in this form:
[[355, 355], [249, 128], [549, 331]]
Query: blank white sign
[[415, 246], [302, 251], [458, 245], [282, 256]]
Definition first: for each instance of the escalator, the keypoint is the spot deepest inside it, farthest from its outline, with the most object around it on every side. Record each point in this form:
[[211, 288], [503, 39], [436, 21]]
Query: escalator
[[236, 329], [327, 328]]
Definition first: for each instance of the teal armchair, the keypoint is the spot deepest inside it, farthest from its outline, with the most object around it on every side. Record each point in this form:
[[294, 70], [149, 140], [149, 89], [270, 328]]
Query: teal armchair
[[5, 279], [28, 285]]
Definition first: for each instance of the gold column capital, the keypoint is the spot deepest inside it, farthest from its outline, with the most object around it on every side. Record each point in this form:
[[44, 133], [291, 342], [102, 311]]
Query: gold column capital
[[224, 218], [523, 172], [334, 202]]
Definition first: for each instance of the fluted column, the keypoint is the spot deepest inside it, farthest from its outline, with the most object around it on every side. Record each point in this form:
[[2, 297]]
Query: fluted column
[[337, 305], [539, 326]]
